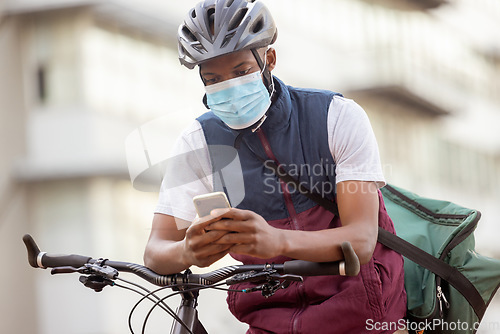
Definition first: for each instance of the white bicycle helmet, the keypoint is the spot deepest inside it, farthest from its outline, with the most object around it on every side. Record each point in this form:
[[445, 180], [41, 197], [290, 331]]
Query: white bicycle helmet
[[217, 27]]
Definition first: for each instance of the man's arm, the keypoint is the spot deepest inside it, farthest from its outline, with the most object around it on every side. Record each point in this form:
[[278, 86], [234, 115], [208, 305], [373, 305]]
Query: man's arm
[[358, 204], [170, 250], [358, 208]]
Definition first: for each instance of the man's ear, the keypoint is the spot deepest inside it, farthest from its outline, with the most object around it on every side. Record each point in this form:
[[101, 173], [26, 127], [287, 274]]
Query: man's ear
[[271, 59], [205, 103]]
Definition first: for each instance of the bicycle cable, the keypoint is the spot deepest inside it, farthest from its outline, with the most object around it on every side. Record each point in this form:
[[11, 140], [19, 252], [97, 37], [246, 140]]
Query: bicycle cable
[[159, 301], [163, 306]]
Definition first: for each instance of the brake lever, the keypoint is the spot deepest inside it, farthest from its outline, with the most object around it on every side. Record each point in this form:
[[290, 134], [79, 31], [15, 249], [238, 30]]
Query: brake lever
[[251, 276], [104, 271], [287, 277], [68, 270]]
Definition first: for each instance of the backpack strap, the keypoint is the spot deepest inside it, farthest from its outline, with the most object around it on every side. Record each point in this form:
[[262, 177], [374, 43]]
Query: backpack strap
[[442, 269], [403, 247]]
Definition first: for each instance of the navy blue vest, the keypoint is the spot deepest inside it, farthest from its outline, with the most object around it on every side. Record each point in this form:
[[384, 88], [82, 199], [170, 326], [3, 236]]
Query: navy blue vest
[[296, 129], [297, 133]]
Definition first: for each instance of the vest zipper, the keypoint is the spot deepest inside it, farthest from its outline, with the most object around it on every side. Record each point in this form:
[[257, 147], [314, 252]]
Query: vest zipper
[[293, 216], [284, 187]]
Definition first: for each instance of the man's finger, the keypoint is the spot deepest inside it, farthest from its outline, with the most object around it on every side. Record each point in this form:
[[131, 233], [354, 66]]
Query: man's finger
[[212, 250], [236, 238], [230, 225], [213, 235], [233, 213], [200, 223]]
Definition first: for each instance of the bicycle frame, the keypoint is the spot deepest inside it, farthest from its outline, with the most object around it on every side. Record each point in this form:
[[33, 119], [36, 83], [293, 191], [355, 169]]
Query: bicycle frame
[[188, 313]]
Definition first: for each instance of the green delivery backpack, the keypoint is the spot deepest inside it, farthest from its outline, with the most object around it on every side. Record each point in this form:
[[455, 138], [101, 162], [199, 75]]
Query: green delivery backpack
[[448, 284]]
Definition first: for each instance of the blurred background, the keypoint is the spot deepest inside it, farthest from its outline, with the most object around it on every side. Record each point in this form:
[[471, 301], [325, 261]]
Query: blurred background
[[77, 77]]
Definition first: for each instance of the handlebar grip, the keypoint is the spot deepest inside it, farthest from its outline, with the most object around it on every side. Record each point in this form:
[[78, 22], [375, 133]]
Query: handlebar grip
[[39, 259], [351, 259], [32, 249], [348, 267], [307, 268], [54, 261]]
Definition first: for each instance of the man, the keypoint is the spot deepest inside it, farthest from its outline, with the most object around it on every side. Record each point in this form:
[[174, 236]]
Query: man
[[322, 139]]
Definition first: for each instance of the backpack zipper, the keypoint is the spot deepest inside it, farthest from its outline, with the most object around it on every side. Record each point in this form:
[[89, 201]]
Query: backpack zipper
[[441, 297], [461, 236]]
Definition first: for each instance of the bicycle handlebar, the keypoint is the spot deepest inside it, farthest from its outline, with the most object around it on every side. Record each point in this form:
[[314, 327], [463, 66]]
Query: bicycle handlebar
[[348, 267]]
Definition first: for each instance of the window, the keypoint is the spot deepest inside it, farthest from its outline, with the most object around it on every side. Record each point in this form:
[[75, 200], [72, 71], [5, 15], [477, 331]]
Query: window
[[41, 81]]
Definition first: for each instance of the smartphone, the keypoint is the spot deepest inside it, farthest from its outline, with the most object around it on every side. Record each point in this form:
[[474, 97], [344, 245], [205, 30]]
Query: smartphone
[[204, 204]]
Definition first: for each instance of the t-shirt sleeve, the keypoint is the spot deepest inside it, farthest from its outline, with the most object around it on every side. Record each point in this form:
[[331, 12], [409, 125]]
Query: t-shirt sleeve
[[352, 143], [187, 174]]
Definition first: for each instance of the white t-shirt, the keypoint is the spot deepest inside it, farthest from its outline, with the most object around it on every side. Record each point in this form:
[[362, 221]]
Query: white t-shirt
[[350, 138]]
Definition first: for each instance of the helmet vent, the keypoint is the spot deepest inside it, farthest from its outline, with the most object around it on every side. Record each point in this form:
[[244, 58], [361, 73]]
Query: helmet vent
[[193, 14], [211, 15], [189, 34], [229, 3], [227, 39], [257, 26], [200, 48], [236, 20]]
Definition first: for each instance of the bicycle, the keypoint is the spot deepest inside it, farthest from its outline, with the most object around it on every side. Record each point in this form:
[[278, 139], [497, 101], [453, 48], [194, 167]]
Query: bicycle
[[267, 278]]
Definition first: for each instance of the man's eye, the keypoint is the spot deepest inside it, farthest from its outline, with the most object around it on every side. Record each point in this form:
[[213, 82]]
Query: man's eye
[[242, 73], [210, 81]]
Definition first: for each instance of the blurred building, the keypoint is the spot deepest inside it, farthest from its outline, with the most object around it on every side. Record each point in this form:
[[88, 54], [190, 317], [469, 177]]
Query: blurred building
[[427, 73], [78, 76]]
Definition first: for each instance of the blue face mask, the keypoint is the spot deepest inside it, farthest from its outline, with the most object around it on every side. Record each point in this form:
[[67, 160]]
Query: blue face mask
[[239, 102]]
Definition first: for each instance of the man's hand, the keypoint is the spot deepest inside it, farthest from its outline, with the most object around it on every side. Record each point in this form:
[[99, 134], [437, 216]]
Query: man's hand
[[200, 247], [250, 234], [358, 205]]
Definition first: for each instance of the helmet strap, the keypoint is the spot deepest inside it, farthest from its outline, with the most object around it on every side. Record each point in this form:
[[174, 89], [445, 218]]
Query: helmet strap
[[204, 96], [268, 81]]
